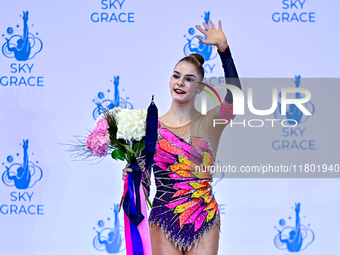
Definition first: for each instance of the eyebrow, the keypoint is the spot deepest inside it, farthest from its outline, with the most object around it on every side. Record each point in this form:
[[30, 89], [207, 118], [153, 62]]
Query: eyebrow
[[190, 75]]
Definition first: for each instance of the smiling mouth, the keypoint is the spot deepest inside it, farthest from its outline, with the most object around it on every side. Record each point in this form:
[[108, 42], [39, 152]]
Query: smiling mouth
[[179, 91]]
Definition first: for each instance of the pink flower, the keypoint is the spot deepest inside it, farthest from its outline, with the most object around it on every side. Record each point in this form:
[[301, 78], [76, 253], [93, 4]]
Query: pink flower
[[159, 126], [102, 126], [98, 141]]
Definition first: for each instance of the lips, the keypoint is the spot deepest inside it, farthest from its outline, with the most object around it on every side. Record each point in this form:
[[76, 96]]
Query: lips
[[179, 91]]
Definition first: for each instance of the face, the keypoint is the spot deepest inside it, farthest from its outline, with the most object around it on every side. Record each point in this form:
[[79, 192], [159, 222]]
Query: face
[[184, 82]]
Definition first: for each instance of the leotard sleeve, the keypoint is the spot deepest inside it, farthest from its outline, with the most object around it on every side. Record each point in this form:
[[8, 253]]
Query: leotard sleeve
[[225, 111]]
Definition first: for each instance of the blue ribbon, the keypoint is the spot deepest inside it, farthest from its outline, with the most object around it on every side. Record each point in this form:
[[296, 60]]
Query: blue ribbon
[[137, 244], [132, 210], [151, 133]]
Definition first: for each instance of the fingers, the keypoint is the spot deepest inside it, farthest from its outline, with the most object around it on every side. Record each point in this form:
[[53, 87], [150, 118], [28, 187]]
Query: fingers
[[125, 172], [219, 25], [206, 26], [212, 25], [201, 29], [124, 176], [201, 39]]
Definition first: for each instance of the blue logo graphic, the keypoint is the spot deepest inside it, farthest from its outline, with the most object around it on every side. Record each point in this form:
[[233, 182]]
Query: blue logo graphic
[[21, 47], [109, 239], [294, 238], [102, 102], [22, 176], [196, 46], [293, 112]]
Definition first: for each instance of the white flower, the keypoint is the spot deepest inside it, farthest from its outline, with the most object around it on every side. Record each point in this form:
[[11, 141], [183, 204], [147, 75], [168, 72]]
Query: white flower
[[112, 112], [131, 124]]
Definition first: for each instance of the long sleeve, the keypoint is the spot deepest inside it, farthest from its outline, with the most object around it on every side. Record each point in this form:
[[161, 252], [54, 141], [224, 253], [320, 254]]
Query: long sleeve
[[225, 111], [230, 72]]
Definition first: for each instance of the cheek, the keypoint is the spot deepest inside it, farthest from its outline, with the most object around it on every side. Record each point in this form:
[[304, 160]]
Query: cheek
[[193, 88], [172, 82]]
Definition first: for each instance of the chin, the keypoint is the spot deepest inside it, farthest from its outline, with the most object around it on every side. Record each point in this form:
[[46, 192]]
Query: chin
[[181, 100]]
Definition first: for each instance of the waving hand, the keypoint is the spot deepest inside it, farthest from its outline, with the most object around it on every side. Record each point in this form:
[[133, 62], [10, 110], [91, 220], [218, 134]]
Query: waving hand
[[214, 36]]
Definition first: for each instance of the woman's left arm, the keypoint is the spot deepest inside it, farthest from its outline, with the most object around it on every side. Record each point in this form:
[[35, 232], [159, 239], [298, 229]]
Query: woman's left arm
[[217, 38]]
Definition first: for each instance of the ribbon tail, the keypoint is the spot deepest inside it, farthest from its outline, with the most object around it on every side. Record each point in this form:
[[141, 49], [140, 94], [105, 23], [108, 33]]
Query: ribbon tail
[[127, 231], [133, 238], [143, 227]]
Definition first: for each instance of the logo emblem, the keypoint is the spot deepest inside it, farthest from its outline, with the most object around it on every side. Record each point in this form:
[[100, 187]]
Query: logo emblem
[[110, 239], [103, 102], [293, 112], [22, 176], [294, 238], [21, 47], [196, 46]]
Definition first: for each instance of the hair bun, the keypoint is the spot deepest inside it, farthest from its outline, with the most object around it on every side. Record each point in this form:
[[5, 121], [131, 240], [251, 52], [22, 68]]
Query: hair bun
[[198, 57]]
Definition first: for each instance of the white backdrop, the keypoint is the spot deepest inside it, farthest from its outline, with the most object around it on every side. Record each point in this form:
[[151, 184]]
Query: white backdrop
[[75, 57]]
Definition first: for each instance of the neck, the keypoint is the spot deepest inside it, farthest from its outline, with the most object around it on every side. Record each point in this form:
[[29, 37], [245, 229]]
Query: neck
[[182, 113]]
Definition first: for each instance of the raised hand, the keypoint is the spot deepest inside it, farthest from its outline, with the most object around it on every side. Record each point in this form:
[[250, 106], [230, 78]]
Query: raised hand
[[214, 36]]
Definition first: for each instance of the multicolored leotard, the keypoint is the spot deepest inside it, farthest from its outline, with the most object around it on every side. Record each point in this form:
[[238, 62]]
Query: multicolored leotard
[[184, 206]]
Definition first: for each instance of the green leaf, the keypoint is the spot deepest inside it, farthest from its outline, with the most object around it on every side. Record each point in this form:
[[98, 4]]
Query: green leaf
[[155, 151], [128, 148], [118, 155], [128, 156], [141, 146], [136, 145]]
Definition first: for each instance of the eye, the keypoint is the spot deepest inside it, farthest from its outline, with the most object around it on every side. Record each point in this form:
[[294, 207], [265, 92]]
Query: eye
[[175, 76], [189, 79]]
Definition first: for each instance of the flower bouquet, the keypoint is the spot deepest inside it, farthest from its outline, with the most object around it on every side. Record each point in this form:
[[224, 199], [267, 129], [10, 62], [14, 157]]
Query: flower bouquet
[[128, 135]]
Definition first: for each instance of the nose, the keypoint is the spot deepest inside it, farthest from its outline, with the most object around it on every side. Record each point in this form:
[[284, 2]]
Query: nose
[[180, 82]]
